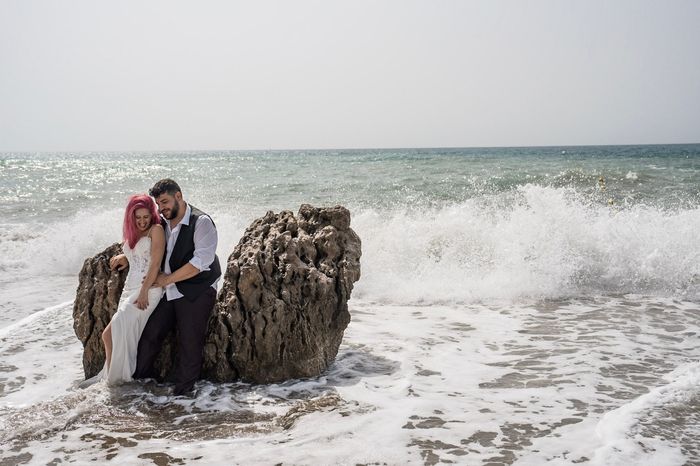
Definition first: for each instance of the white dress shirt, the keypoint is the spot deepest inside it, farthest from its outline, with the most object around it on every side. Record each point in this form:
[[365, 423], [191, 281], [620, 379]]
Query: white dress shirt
[[205, 241]]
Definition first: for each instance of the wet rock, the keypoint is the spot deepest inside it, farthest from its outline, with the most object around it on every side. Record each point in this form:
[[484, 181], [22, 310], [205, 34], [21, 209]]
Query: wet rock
[[281, 312], [96, 301]]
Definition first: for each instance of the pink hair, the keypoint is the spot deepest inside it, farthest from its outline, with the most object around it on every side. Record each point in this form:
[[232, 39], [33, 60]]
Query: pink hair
[[136, 202]]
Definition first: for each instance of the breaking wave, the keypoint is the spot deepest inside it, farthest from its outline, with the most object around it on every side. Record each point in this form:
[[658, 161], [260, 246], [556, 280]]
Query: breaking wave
[[532, 241]]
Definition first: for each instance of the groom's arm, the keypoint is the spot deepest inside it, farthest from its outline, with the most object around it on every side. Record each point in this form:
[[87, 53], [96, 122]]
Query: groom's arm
[[205, 241], [183, 273]]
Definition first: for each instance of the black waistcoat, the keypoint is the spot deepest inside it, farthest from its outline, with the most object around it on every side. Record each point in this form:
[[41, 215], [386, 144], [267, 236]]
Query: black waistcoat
[[183, 251]]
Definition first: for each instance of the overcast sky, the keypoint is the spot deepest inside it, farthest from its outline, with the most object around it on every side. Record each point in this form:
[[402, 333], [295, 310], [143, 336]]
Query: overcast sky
[[169, 75]]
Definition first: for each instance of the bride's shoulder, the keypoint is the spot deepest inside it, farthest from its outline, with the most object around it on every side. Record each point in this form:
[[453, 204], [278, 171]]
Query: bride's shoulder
[[156, 231]]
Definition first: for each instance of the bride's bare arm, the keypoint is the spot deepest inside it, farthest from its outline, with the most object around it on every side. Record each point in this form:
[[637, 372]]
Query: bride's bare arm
[[157, 248]]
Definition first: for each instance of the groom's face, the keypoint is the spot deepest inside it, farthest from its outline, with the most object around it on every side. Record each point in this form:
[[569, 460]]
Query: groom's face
[[169, 205]]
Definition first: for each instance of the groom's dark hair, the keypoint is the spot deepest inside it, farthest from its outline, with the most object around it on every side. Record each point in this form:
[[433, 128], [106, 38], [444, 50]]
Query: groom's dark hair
[[166, 185]]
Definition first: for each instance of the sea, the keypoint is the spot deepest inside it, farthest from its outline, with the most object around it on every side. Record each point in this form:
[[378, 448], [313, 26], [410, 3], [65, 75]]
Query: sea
[[524, 306]]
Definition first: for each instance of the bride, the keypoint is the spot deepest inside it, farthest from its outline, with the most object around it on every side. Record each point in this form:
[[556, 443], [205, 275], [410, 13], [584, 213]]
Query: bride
[[144, 243]]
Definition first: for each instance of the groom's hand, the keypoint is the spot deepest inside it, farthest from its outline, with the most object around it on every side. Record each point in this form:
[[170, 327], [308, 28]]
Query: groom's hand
[[118, 262], [161, 280]]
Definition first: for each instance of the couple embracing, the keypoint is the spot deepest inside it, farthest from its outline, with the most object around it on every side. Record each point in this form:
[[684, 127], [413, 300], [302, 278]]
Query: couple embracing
[[173, 273]]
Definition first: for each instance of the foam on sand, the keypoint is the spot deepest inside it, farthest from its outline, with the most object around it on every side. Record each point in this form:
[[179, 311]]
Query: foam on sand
[[625, 440], [502, 382]]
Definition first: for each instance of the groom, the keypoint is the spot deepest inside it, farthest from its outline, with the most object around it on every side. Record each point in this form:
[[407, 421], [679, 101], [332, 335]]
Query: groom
[[189, 273]]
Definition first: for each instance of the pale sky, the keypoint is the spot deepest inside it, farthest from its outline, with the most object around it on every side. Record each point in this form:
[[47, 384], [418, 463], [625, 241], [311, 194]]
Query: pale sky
[[170, 75]]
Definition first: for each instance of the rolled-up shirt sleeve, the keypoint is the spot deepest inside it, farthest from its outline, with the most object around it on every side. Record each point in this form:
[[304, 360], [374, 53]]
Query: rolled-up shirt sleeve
[[205, 241]]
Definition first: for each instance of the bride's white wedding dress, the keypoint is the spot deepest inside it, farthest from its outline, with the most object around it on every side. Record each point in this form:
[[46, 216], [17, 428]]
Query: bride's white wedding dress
[[128, 322]]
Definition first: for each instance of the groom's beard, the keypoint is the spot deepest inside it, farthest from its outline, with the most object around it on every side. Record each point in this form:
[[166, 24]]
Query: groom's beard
[[173, 212]]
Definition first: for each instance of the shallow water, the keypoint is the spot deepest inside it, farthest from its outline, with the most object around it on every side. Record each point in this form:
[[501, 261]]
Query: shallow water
[[547, 381]]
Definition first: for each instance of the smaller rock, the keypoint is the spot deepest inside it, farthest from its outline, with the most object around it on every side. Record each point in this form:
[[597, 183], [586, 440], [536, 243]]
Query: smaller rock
[[96, 301]]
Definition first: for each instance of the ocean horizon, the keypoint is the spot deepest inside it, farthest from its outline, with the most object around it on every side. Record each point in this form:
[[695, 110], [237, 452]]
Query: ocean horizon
[[368, 148]]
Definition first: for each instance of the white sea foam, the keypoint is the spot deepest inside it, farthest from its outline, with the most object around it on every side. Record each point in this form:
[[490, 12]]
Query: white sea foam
[[40, 357], [61, 247], [30, 320], [467, 384], [619, 430], [546, 243]]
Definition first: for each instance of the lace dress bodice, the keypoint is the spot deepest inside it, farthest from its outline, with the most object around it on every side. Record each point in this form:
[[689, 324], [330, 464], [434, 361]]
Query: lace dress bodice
[[139, 260]]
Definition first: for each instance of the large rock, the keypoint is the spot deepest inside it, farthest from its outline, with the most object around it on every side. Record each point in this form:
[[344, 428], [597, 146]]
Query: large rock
[[283, 308], [281, 312]]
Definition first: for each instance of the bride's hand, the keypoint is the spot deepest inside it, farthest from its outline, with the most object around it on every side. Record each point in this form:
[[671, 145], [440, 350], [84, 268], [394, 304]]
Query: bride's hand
[[142, 301], [118, 262]]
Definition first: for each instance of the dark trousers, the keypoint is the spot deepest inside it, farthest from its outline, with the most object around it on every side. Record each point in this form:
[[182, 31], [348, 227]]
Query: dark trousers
[[191, 319]]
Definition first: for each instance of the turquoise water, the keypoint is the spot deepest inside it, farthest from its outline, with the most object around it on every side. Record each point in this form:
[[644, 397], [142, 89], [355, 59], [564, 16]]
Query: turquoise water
[[49, 185]]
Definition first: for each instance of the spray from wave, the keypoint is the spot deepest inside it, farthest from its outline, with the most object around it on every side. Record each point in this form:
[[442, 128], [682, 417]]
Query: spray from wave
[[534, 241]]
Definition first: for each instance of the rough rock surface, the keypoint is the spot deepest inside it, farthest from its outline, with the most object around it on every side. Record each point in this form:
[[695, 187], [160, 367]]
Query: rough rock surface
[[96, 301], [280, 314], [282, 310]]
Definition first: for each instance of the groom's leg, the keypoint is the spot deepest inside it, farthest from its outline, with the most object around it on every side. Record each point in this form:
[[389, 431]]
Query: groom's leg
[[160, 322], [192, 322]]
